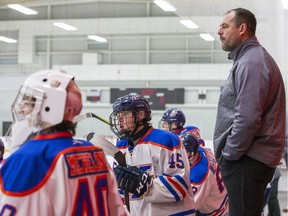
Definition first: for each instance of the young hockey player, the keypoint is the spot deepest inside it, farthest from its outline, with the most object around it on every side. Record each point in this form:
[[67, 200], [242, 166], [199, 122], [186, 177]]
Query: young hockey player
[[173, 119], [51, 173], [158, 173], [209, 192]]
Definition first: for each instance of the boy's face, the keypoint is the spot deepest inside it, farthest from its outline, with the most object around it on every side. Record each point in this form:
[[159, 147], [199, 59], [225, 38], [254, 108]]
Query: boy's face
[[126, 120]]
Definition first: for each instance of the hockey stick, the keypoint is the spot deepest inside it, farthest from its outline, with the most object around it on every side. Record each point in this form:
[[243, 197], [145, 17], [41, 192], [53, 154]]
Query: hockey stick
[[107, 147], [113, 151], [81, 117]]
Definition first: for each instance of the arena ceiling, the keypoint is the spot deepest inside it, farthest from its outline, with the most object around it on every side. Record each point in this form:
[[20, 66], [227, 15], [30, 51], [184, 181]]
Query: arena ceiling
[[117, 18]]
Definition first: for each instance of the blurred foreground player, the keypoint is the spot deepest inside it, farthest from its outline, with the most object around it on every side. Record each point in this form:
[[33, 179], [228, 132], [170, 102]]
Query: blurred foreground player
[[51, 173], [158, 175], [209, 191]]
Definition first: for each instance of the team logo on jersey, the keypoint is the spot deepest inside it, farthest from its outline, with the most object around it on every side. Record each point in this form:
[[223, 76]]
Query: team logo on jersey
[[85, 163]]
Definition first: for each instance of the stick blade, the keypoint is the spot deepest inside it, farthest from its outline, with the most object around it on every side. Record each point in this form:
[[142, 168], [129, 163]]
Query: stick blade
[[109, 148]]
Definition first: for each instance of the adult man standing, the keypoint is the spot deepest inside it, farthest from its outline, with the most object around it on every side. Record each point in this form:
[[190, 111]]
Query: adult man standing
[[249, 135]]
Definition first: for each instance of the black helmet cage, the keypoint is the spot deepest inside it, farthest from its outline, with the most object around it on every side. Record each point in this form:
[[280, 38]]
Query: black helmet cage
[[132, 102], [115, 125]]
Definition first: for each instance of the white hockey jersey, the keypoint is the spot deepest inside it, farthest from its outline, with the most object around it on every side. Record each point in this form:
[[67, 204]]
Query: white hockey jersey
[[162, 155], [55, 175], [209, 192]]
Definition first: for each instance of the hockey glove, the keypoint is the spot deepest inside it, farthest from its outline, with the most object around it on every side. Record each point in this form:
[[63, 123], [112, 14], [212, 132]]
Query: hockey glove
[[132, 179]]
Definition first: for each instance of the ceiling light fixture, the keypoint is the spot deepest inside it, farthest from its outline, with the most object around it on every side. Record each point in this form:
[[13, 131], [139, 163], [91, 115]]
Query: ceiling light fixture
[[65, 26], [22, 9], [207, 37], [7, 40], [189, 24], [164, 5], [285, 4], [97, 38]]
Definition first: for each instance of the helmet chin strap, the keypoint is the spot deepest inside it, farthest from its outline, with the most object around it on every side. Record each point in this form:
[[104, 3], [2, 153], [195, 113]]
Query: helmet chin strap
[[170, 127], [128, 133], [132, 136]]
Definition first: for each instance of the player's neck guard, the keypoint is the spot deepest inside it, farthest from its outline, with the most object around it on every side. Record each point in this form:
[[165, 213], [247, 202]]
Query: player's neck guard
[[139, 134]]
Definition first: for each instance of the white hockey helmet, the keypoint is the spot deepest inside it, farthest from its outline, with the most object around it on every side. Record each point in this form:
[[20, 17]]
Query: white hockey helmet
[[46, 98]]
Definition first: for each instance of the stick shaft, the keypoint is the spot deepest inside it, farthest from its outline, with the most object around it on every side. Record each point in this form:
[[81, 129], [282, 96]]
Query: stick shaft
[[110, 149], [89, 115], [100, 118], [107, 147]]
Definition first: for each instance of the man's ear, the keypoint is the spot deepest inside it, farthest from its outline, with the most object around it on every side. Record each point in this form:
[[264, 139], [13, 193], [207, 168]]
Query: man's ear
[[243, 28]]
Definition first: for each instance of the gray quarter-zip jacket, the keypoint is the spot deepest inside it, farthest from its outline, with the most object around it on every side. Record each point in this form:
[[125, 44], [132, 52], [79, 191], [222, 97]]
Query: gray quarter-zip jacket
[[251, 109]]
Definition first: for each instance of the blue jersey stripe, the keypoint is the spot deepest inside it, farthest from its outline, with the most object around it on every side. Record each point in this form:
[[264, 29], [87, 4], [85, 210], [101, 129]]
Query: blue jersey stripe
[[168, 186], [182, 181]]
